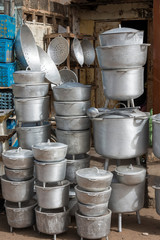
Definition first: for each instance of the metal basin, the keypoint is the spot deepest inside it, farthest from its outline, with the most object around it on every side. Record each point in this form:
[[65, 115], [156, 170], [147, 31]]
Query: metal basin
[[51, 172], [49, 151], [93, 179], [126, 198], [32, 109], [91, 198], [72, 92], [123, 84], [52, 221], [72, 123], [93, 227], [78, 141], [30, 90], [93, 210], [19, 174], [20, 217], [31, 134], [54, 195], [28, 77], [18, 159], [82, 161], [17, 191], [126, 56]]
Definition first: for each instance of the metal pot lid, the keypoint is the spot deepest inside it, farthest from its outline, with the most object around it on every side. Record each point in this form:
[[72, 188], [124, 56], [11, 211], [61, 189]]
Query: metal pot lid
[[156, 117], [129, 170], [49, 145], [70, 85], [18, 153], [120, 30], [93, 173]]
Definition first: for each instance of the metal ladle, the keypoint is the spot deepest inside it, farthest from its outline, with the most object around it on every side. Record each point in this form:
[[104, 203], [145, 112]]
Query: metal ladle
[[94, 112]]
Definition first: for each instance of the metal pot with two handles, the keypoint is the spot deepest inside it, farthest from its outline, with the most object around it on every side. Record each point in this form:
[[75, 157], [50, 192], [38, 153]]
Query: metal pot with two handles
[[121, 133]]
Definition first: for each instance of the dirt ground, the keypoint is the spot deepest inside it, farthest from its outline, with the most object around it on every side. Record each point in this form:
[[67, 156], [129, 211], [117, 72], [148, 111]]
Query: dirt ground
[[149, 229]]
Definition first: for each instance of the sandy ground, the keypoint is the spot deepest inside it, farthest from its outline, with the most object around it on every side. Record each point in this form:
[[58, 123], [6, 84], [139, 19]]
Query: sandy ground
[[149, 229]]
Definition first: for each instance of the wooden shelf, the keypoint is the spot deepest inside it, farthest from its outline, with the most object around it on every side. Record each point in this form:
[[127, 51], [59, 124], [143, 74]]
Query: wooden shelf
[[10, 133], [69, 35], [6, 88]]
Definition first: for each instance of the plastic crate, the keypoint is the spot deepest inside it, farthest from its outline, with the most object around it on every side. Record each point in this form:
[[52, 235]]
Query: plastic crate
[[6, 100], [7, 26], [6, 50], [6, 74]]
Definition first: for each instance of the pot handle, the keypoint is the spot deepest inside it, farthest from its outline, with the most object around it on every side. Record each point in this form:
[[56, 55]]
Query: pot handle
[[19, 149], [65, 68], [120, 104], [130, 35], [156, 187], [141, 118], [28, 68], [17, 210], [120, 174], [14, 183]]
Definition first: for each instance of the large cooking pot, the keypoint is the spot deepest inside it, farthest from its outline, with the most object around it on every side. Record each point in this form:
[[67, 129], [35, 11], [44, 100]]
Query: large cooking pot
[[30, 90], [72, 123], [81, 161], [28, 77], [126, 56], [87, 197], [52, 221], [18, 158], [32, 109], [121, 36], [49, 151], [157, 198], [126, 198], [156, 134], [130, 175], [123, 134], [71, 108], [50, 171], [17, 191], [78, 141], [20, 217], [93, 179], [26, 50], [54, 195], [95, 210], [30, 134], [123, 84], [93, 227], [72, 92], [19, 174]]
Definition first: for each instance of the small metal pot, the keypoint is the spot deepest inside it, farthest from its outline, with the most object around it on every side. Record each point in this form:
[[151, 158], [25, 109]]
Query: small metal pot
[[93, 210], [93, 179], [157, 198], [17, 191], [49, 151], [72, 92], [74, 165], [78, 141], [18, 159], [30, 134], [130, 175], [52, 221], [91, 198], [20, 217], [51, 172], [54, 195], [32, 109], [19, 174], [71, 108], [30, 90], [93, 227], [28, 77], [72, 123]]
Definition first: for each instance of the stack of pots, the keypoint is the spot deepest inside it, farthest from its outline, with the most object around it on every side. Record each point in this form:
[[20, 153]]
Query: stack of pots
[[52, 215], [93, 191], [18, 188], [32, 107], [73, 126]]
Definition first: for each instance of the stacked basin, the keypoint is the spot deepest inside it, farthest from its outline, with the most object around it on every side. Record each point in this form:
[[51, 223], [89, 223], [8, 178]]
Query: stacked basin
[[18, 188], [32, 107], [93, 191], [52, 214]]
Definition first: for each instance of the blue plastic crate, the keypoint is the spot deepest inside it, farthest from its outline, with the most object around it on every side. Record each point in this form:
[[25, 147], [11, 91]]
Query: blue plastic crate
[[6, 100], [7, 26], [6, 74], [6, 50]]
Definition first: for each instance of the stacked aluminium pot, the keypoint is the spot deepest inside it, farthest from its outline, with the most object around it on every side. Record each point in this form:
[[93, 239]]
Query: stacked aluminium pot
[[32, 107], [17, 188], [73, 126], [52, 215], [122, 133], [93, 191]]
